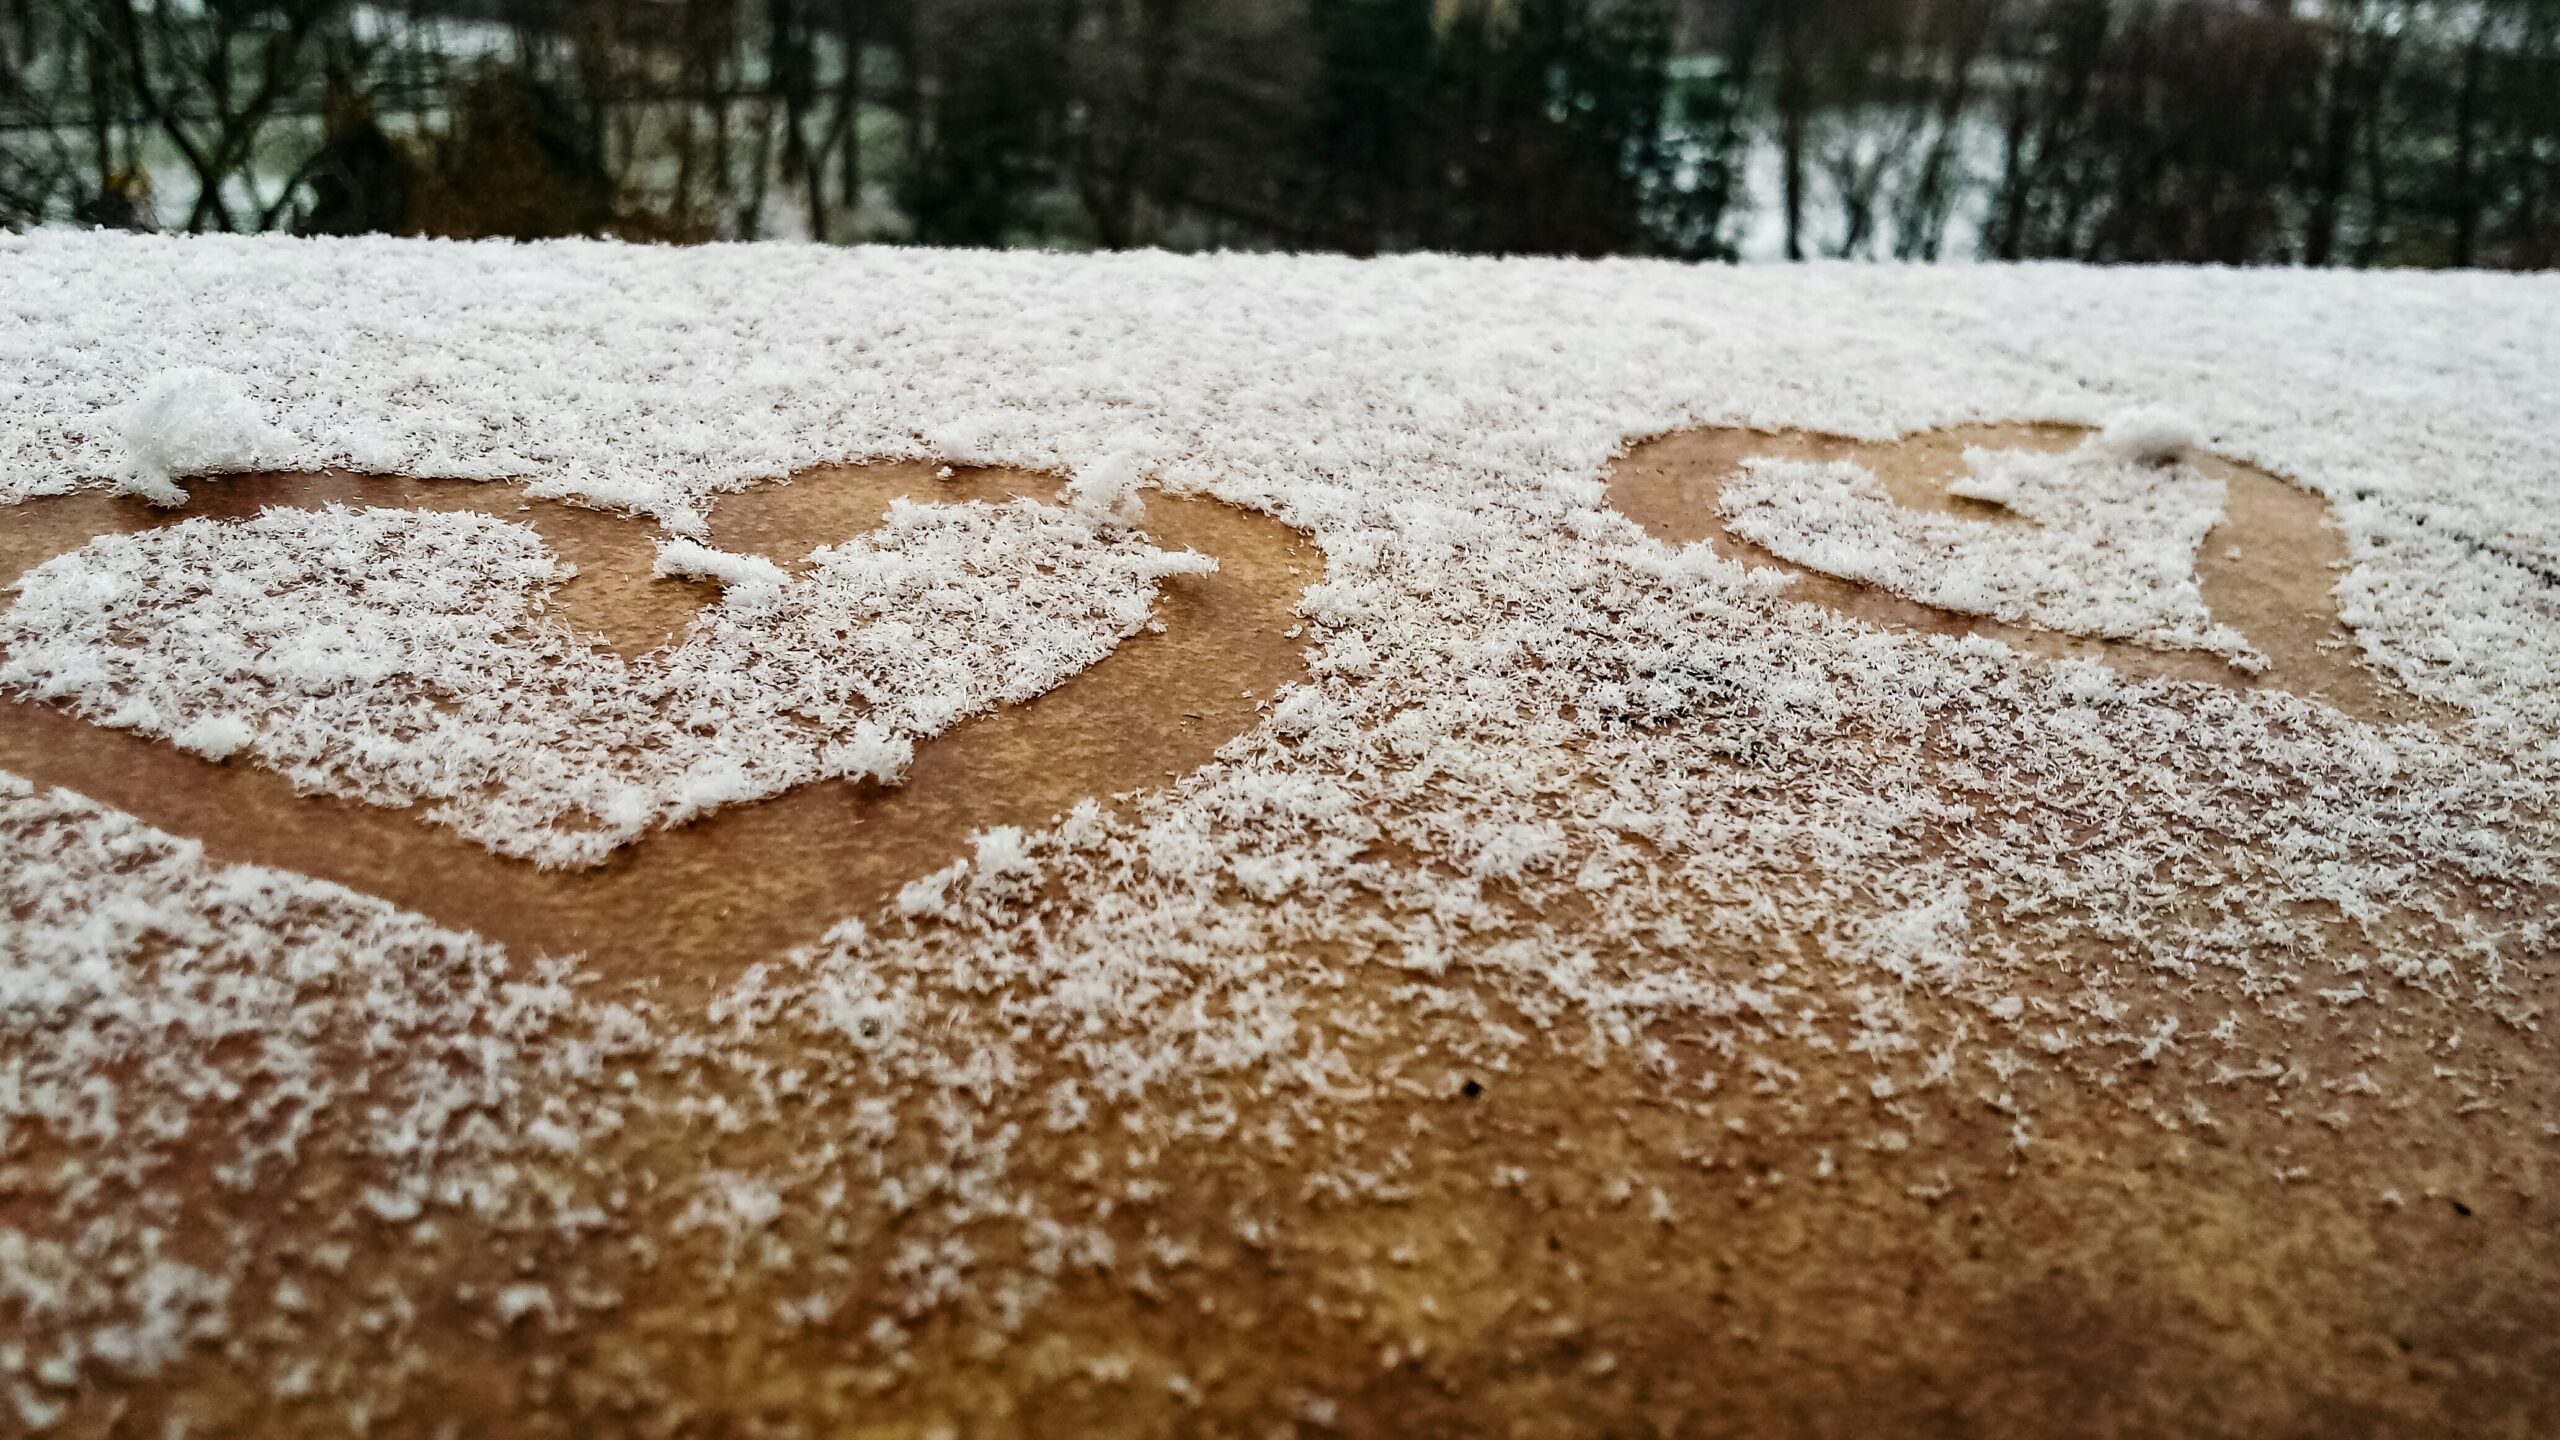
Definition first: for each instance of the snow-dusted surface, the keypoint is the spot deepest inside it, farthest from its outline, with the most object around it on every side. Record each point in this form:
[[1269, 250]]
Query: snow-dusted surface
[[223, 1002], [398, 658], [1544, 765], [2111, 553]]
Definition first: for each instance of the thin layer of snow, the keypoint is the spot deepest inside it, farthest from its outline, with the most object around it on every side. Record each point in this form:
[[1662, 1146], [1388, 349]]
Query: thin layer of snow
[[2110, 548], [176, 1039], [400, 658], [1315, 385], [1551, 786]]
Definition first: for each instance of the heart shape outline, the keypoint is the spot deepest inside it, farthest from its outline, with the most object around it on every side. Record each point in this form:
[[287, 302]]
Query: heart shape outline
[[749, 880], [743, 881], [2267, 568]]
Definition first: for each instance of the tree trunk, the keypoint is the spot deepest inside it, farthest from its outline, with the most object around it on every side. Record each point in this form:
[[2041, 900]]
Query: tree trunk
[[1794, 101], [2466, 147]]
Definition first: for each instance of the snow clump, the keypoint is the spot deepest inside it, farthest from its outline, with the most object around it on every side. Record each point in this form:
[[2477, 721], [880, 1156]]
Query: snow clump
[[744, 577], [1106, 491], [192, 421], [2149, 436]]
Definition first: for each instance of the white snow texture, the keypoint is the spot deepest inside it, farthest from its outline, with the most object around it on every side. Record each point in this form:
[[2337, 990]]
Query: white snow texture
[[398, 657], [1563, 784], [2112, 551], [192, 420]]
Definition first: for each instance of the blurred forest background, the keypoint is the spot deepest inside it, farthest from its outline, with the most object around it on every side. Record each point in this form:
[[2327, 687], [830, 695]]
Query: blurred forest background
[[2318, 132]]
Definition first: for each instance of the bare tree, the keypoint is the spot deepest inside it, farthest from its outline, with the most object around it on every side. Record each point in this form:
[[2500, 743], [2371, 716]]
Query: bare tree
[[209, 79]]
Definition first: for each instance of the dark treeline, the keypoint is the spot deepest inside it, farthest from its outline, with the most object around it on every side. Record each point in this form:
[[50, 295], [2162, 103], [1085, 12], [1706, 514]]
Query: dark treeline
[[2346, 132], [2292, 131]]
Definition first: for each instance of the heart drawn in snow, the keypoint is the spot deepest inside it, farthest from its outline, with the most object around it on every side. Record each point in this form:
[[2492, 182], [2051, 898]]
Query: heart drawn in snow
[[555, 684], [2138, 549], [409, 658]]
